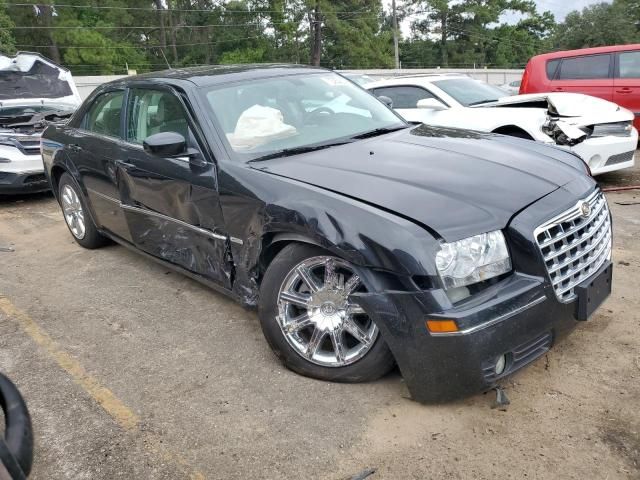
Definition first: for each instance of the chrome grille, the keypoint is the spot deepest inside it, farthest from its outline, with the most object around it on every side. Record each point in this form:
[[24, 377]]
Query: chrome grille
[[574, 246]]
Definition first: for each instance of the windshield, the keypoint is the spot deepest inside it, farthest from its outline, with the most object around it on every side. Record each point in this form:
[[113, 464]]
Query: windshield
[[468, 91], [263, 117]]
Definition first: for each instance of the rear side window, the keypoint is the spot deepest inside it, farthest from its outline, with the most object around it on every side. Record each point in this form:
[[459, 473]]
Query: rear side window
[[585, 68], [104, 115], [629, 64], [404, 96], [552, 68]]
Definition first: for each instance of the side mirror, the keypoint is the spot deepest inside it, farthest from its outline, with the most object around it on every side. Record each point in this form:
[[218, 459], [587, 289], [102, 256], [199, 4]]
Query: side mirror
[[386, 100], [165, 144], [431, 104]]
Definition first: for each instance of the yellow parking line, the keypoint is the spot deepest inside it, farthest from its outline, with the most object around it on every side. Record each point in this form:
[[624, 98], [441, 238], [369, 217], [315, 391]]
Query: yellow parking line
[[122, 414]]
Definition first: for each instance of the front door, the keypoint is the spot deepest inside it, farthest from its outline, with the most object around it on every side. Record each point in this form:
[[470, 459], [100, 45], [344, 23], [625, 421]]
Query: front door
[[171, 203], [626, 84]]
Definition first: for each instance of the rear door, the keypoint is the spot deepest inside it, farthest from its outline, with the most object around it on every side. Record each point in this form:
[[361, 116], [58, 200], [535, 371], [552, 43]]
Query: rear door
[[626, 84], [588, 74], [94, 148], [172, 204]]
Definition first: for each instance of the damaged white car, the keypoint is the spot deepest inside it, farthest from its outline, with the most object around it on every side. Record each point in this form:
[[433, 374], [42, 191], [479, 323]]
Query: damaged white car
[[600, 132], [34, 92]]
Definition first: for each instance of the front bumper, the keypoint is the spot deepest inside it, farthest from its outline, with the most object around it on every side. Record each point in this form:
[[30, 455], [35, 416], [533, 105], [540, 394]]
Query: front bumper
[[20, 172], [519, 316], [606, 154], [23, 182]]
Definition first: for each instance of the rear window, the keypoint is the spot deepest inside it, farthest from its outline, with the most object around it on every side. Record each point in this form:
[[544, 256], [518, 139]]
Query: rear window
[[629, 64], [583, 68], [552, 67]]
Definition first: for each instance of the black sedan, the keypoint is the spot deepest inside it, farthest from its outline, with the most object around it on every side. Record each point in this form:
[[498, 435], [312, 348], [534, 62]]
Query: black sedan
[[364, 241]]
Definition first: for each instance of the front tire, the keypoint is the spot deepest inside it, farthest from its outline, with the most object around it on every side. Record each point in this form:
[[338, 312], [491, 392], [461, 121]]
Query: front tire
[[76, 215], [310, 323]]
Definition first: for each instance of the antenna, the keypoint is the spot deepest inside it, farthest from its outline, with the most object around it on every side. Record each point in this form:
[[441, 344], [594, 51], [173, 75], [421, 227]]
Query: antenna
[[165, 58]]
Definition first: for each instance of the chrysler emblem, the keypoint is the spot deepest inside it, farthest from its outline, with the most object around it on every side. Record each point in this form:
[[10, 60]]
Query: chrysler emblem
[[585, 209]]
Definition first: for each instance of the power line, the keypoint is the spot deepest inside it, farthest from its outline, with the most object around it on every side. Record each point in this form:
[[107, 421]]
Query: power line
[[201, 10], [146, 27], [100, 47]]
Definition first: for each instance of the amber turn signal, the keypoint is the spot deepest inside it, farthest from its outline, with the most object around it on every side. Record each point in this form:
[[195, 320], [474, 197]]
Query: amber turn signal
[[442, 326]]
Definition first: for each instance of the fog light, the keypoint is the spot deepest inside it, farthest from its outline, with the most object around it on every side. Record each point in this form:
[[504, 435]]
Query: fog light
[[501, 362]]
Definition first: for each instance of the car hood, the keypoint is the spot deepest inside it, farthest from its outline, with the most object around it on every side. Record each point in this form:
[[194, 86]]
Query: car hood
[[456, 182], [30, 76], [566, 105]]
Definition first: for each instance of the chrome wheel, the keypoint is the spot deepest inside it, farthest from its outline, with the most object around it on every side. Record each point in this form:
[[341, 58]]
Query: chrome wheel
[[316, 317], [73, 212]]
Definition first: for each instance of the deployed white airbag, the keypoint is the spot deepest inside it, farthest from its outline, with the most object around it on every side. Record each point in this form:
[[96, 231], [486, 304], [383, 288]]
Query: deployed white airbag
[[259, 125]]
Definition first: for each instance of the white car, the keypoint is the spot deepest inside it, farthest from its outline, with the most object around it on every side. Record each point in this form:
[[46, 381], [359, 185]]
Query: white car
[[33, 93], [512, 88], [600, 132]]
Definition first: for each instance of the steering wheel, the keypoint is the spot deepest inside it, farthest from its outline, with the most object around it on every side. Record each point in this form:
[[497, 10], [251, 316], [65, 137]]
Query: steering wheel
[[16, 448], [322, 111]]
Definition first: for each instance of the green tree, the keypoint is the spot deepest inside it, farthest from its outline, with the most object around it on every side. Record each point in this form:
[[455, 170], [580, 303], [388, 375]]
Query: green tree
[[7, 41], [597, 25]]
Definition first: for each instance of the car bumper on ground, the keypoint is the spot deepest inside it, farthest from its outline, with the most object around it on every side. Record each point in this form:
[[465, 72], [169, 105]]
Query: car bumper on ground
[[607, 154]]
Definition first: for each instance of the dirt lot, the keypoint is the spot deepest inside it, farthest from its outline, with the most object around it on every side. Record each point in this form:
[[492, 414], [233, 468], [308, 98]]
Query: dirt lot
[[132, 371]]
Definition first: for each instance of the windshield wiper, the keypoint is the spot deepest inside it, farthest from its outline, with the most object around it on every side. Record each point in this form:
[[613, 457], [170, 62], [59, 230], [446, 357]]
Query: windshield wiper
[[378, 131], [286, 152], [479, 102]]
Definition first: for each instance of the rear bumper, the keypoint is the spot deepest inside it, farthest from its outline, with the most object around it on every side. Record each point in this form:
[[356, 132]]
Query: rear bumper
[[23, 182]]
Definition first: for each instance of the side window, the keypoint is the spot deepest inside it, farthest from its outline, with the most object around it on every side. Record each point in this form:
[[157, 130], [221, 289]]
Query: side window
[[552, 68], [104, 114], [404, 96], [629, 64], [583, 68], [154, 111]]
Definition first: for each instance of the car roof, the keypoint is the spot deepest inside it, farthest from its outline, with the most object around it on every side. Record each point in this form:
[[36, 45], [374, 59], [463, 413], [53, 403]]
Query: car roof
[[416, 79], [217, 74], [587, 51]]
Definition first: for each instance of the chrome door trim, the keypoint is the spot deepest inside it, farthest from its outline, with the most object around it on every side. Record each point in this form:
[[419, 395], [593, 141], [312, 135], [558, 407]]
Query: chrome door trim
[[143, 211]]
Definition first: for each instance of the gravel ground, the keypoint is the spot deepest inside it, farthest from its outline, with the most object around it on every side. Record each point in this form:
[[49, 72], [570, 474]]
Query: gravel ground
[[133, 371]]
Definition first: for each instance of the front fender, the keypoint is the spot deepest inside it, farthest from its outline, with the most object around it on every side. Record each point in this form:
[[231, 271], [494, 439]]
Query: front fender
[[270, 208]]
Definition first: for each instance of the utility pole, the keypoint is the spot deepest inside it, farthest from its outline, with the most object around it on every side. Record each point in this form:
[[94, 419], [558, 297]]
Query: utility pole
[[316, 51], [395, 34]]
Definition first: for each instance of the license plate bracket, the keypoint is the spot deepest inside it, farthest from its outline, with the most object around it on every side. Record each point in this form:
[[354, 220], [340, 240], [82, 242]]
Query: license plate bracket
[[592, 292]]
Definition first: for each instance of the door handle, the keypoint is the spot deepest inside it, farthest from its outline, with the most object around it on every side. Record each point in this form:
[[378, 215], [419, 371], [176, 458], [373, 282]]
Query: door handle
[[624, 90], [124, 164], [558, 89]]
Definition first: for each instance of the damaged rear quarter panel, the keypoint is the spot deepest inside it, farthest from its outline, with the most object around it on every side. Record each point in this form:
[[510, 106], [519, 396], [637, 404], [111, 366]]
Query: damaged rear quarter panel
[[260, 208]]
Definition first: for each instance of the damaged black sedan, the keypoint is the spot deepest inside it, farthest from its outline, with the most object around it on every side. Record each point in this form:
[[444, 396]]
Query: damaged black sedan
[[364, 241]]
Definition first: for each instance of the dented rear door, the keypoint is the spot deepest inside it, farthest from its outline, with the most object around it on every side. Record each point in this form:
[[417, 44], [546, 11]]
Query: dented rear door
[[172, 205]]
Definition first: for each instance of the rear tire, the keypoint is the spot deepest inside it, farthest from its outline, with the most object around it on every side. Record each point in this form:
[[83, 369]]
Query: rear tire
[[76, 214], [310, 323]]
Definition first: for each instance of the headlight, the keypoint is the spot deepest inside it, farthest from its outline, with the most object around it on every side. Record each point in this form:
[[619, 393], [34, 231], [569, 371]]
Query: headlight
[[615, 129], [473, 259]]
